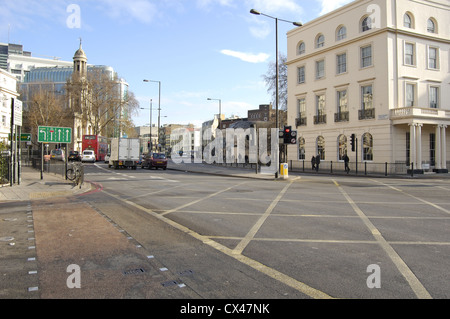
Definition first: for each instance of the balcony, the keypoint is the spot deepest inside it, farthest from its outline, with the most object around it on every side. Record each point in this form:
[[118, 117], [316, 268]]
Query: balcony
[[418, 112], [301, 121], [320, 119], [341, 117], [367, 114]]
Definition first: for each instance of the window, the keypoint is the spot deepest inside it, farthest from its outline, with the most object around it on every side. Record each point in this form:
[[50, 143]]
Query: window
[[366, 56], [433, 58], [410, 94], [341, 33], [407, 21], [342, 141], [409, 54], [301, 103], [431, 26], [366, 24], [341, 63], [321, 147], [367, 147], [342, 102], [301, 48], [320, 41], [320, 117], [301, 75], [301, 149], [367, 97], [434, 97], [432, 149], [320, 69], [320, 104]]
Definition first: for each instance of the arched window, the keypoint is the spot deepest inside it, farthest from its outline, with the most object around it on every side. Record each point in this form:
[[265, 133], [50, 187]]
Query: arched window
[[408, 21], [366, 24], [301, 48], [320, 41], [341, 33], [301, 149], [367, 142], [431, 26], [321, 147], [342, 143]]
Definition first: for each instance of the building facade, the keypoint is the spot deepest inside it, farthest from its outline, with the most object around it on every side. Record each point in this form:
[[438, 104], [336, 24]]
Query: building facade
[[8, 91], [378, 69]]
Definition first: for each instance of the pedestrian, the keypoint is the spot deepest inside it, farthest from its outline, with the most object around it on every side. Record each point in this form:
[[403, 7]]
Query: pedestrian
[[313, 162], [317, 162], [346, 161]]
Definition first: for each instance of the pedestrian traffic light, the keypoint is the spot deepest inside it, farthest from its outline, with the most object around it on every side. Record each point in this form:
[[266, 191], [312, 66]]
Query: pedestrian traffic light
[[353, 142]]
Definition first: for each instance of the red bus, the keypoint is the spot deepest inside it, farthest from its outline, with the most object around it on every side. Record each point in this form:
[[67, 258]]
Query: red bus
[[96, 143]]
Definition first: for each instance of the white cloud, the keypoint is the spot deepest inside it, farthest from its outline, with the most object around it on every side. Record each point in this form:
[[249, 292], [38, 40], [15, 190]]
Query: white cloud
[[141, 10], [278, 6], [330, 5], [247, 57]]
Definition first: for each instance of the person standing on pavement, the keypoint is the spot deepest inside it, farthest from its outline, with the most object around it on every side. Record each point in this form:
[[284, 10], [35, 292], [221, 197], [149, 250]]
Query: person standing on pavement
[[317, 162], [346, 161], [313, 162]]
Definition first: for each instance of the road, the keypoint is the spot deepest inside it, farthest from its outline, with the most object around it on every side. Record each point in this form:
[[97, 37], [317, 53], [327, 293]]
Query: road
[[220, 237]]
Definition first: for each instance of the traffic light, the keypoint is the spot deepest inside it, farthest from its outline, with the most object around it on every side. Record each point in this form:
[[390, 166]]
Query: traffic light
[[353, 142], [289, 136]]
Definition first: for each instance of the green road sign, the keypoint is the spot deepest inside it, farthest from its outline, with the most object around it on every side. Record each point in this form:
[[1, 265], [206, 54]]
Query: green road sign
[[23, 137], [57, 135]]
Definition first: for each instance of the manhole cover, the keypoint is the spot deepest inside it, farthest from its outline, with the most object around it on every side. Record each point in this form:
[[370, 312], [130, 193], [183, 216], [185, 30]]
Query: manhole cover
[[134, 271]]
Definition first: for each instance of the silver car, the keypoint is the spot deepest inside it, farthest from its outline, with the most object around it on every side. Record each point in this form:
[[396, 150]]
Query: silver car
[[88, 156]]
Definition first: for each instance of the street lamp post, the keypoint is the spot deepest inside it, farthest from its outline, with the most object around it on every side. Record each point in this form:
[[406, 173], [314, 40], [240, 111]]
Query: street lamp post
[[159, 105], [151, 124], [220, 109], [297, 24]]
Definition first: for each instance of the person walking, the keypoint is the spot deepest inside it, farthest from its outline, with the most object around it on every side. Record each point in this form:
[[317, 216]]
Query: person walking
[[313, 162], [346, 161], [317, 162]]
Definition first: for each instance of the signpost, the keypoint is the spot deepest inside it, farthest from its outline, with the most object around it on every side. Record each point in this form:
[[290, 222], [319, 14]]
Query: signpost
[[53, 135]]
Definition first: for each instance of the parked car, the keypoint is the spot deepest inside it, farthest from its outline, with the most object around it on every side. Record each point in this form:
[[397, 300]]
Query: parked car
[[156, 160], [88, 156], [74, 156], [57, 155]]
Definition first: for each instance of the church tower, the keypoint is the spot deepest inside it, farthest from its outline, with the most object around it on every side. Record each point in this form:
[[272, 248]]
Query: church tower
[[80, 62]]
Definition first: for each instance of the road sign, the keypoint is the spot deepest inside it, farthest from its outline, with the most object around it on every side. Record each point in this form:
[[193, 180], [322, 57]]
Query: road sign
[[18, 112], [56, 135]]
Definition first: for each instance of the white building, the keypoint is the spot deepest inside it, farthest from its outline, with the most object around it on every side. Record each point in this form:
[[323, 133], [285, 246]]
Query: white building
[[8, 91], [20, 63], [379, 69]]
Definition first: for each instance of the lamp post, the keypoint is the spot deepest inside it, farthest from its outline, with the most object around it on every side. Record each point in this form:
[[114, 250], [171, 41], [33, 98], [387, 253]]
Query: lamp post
[[151, 111], [159, 104], [297, 24], [220, 109]]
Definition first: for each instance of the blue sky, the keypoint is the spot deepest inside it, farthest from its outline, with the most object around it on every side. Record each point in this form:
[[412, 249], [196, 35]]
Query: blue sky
[[198, 49]]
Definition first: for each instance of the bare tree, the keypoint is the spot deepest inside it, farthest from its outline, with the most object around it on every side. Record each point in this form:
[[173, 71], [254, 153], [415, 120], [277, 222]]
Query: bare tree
[[45, 108], [271, 82], [100, 102]]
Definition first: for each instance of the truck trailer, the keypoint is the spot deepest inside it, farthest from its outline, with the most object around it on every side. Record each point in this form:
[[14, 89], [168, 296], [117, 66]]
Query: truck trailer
[[124, 153]]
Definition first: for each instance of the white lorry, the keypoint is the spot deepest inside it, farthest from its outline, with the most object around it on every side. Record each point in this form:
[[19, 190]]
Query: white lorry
[[124, 153]]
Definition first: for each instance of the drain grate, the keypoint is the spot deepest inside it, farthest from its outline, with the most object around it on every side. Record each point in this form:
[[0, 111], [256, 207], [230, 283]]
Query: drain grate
[[186, 273], [137, 271], [169, 283]]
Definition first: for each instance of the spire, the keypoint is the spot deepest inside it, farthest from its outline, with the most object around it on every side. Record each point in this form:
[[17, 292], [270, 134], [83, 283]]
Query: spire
[[80, 60]]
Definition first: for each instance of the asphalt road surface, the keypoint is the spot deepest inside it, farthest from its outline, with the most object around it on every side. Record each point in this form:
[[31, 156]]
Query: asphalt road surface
[[197, 236]]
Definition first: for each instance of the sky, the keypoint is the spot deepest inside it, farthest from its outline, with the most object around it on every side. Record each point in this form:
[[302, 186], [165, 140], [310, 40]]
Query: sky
[[196, 49]]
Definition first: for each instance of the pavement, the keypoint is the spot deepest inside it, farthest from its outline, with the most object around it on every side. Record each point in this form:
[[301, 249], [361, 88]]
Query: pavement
[[32, 187]]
